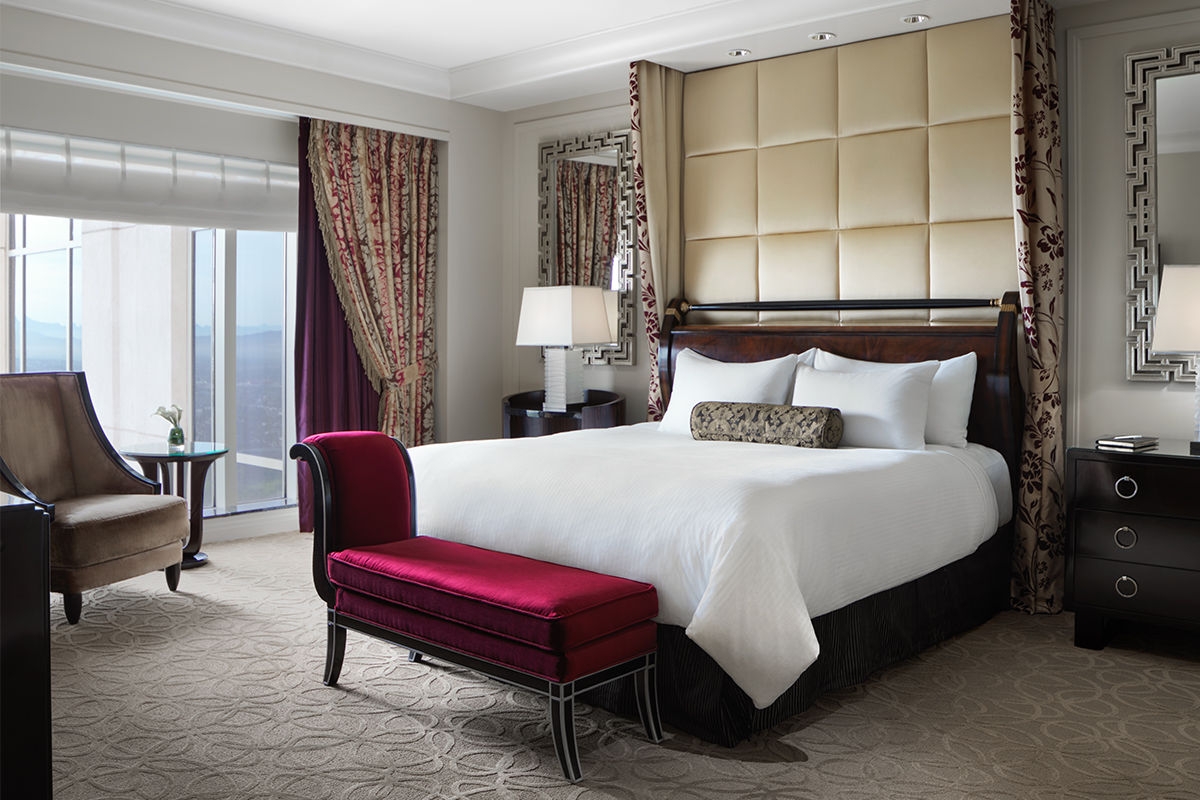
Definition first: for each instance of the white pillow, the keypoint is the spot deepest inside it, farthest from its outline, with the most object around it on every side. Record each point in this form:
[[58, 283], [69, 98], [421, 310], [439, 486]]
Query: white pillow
[[880, 408], [699, 378], [950, 392]]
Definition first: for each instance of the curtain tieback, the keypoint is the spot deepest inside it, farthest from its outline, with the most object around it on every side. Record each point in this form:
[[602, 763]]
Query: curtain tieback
[[413, 371]]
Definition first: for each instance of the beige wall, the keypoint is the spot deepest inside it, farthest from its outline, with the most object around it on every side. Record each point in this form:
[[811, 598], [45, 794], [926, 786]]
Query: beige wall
[[1179, 207], [1099, 399]]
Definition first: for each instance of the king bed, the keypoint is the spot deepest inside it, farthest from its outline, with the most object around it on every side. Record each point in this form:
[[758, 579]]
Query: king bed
[[782, 572]]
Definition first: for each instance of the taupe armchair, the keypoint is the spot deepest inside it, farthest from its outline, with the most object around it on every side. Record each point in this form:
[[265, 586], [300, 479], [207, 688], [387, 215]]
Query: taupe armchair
[[108, 523]]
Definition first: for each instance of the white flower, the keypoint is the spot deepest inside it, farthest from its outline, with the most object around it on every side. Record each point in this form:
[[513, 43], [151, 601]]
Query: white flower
[[171, 415]]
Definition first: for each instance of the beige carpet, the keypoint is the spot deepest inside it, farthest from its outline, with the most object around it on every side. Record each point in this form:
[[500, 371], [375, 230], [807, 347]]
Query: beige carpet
[[215, 692]]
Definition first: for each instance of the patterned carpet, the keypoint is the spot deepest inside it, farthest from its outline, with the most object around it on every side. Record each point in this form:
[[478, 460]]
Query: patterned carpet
[[215, 692]]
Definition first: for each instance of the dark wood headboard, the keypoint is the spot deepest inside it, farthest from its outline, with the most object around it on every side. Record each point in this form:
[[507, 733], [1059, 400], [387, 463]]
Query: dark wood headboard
[[998, 406]]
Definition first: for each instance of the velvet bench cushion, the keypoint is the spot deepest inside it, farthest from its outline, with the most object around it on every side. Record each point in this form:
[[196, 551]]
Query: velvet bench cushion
[[549, 620]]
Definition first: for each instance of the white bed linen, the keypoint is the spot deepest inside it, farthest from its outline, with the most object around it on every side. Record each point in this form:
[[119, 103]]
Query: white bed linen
[[744, 542]]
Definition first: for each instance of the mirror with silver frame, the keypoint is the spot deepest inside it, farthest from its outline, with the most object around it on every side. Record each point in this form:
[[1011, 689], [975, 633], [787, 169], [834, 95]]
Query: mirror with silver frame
[[1162, 124], [586, 227]]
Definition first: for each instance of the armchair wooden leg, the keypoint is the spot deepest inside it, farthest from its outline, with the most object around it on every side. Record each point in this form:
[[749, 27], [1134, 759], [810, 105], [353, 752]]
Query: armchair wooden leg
[[73, 606], [335, 650], [173, 576]]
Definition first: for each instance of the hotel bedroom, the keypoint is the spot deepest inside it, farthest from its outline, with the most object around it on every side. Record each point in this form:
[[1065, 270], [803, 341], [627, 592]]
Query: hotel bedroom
[[871, 165]]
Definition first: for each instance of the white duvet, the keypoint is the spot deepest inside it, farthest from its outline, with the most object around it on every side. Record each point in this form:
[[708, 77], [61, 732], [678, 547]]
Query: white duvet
[[744, 542]]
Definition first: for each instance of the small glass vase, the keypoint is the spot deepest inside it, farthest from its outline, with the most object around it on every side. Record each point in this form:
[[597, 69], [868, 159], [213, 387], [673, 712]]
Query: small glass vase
[[175, 440]]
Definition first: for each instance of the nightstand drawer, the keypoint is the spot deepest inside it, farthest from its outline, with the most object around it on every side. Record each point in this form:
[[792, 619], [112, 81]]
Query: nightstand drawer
[[1137, 487], [1137, 588], [1139, 539]]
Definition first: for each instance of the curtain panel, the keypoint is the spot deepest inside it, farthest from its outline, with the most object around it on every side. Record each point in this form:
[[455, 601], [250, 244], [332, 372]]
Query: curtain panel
[[656, 123], [585, 223], [376, 197], [1038, 556], [332, 390]]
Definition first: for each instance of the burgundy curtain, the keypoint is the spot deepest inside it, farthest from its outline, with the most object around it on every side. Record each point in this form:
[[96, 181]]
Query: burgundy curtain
[[332, 391]]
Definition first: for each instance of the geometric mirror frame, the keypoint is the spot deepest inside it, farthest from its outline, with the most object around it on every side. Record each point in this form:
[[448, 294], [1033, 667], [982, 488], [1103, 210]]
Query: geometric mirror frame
[[1142, 71], [583, 147]]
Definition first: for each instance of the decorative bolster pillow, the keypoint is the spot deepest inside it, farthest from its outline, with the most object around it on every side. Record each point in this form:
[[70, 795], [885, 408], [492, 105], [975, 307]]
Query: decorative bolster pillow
[[763, 423]]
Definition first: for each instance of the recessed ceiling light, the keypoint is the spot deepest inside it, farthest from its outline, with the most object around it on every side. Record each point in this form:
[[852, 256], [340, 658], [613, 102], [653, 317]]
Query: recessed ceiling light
[[915, 19], [739, 52], [822, 36]]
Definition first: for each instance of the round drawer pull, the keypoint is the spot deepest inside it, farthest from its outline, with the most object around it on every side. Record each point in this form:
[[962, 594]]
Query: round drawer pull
[[1126, 586], [1125, 487], [1125, 537]]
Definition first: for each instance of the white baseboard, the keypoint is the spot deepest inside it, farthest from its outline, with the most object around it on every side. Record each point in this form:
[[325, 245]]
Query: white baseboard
[[251, 524]]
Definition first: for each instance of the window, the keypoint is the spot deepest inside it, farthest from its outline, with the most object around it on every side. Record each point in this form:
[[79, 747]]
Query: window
[[46, 318], [201, 317]]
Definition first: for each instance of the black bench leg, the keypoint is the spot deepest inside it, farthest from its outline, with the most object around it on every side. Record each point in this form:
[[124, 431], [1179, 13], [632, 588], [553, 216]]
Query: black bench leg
[[646, 690], [562, 727], [414, 656], [335, 650]]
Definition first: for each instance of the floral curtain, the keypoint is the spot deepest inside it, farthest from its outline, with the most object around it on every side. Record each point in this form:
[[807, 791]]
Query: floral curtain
[[376, 196], [656, 122], [1038, 557], [332, 390], [585, 223]]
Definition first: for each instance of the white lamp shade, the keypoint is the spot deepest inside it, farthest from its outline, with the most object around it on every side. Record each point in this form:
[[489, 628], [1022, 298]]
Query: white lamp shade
[[563, 316], [1177, 316]]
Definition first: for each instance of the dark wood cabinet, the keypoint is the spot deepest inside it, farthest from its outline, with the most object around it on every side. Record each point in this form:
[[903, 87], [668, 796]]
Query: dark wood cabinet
[[523, 414], [1133, 538], [25, 652]]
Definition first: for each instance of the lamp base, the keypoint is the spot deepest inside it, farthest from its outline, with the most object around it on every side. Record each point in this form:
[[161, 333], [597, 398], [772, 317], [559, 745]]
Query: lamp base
[[564, 378]]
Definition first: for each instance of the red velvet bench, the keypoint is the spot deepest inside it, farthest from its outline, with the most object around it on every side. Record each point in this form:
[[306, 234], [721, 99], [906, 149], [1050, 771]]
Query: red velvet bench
[[554, 629]]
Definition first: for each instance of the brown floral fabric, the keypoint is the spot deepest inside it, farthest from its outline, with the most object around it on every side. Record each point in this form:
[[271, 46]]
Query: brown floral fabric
[[376, 197], [764, 423], [586, 223], [1038, 555]]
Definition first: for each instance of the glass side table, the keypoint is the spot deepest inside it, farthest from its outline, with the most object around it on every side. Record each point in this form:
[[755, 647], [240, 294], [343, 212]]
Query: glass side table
[[156, 458]]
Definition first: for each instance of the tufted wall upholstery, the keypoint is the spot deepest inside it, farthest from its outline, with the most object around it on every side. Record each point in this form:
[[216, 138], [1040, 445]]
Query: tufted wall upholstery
[[873, 170]]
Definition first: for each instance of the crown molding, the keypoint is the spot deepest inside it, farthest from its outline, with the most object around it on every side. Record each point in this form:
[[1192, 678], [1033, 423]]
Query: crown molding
[[215, 31]]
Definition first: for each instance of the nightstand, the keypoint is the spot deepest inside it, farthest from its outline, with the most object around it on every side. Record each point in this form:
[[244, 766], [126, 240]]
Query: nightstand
[[523, 414], [1133, 538]]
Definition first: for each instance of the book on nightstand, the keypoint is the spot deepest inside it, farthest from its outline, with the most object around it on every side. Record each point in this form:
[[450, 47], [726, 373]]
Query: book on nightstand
[[1127, 442]]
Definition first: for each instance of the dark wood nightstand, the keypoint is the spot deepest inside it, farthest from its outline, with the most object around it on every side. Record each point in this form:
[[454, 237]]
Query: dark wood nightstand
[[1133, 538], [523, 414]]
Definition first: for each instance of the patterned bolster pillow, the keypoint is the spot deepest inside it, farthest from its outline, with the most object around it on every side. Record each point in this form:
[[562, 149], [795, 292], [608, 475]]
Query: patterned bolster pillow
[[763, 423]]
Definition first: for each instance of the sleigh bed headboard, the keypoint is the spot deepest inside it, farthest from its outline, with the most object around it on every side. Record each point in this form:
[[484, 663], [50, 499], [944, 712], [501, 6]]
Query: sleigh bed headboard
[[997, 408]]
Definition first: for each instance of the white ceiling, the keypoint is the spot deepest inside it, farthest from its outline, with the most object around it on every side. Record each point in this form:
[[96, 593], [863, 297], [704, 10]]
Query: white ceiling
[[510, 54]]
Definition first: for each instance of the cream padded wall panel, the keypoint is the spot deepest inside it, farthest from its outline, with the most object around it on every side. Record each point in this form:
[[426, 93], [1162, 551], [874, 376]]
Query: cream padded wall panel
[[721, 270], [881, 85], [798, 266], [720, 195], [970, 70], [876, 169], [802, 94], [883, 179], [884, 263], [720, 110], [971, 259], [969, 175], [798, 187]]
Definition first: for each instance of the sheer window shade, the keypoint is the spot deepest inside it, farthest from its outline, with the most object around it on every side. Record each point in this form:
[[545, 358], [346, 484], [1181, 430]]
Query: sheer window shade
[[71, 176]]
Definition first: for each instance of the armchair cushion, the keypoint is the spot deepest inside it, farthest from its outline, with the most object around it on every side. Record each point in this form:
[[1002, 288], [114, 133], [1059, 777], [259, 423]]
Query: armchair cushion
[[99, 528]]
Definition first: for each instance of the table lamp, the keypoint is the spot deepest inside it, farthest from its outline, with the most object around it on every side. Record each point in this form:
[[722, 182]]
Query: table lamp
[[561, 319], [1177, 323]]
